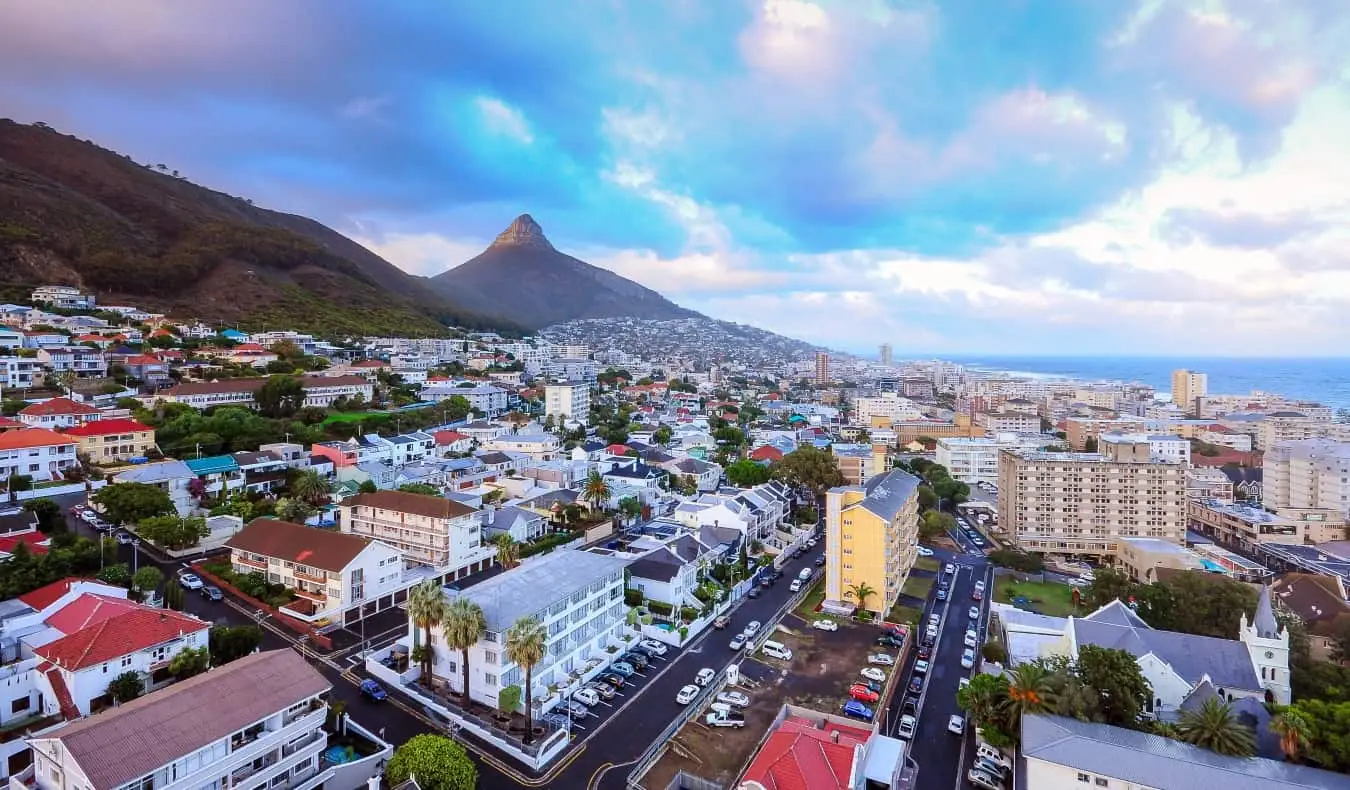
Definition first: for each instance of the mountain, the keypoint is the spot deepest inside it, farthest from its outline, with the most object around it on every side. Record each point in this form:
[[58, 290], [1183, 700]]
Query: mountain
[[705, 341], [74, 213], [523, 278]]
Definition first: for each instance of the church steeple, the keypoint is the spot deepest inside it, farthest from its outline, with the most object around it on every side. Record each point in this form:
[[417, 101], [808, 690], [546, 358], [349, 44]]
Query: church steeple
[[1268, 645], [1264, 622]]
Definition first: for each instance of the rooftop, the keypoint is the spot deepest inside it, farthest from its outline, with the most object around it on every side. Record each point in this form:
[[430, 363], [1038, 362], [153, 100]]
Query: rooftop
[[417, 504], [538, 582], [317, 548], [24, 438], [105, 427], [798, 755], [124, 633]]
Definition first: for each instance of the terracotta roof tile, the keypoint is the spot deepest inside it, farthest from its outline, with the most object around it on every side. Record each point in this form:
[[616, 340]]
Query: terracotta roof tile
[[800, 756], [417, 504], [9, 542], [69, 709], [32, 437], [58, 406], [49, 594], [119, 635], [318, 548], [105, 427], [89, 609]]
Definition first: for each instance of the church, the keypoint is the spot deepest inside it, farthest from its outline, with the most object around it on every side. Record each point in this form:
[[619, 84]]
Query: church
[[1177, 666]]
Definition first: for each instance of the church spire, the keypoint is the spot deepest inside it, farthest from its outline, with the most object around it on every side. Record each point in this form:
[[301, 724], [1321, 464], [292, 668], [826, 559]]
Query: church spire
[[1264, 622]]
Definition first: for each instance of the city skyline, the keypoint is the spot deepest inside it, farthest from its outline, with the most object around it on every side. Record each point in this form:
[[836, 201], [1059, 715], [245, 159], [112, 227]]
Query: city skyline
[[1054, 179]]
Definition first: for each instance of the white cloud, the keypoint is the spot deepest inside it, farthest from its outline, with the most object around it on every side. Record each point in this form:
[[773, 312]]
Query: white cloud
[[427, 254], [365, 107], [504, 119]]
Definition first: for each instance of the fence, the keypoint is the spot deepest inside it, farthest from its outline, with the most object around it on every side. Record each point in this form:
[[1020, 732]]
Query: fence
[[48, 491], [653, 753]]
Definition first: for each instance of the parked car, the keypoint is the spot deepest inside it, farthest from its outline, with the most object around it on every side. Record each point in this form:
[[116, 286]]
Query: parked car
[[949, 569], [125, 538], [587, 696], [863, 693], [191, 581], [735, 698], [751, 628], [924, 551], [653, 646], [982, 780], [920, 667], [990, 767], [979, 585], [977, 596], [872, 684], [825, 625], [962, 683], [820, 561], [212, 593], [971, 639], [973, 613], [856, 710], [872, 673], [886, 640], [605, 690], [704, 676], [968, 658], [721, 622], [753, 592], [687, 694], [942, 594], [907, 725], [911, 705], [738, 641], [637, 660], [721, 718], [916, 684], [956, 725], [882, 659], [623, 668], [986, 752], [613, 679], [576, 709], [373, 690], [796, 585], [925, 651]]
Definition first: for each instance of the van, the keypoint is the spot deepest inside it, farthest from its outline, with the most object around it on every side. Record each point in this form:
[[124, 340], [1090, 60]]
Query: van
[[805, 575], [776, 650]]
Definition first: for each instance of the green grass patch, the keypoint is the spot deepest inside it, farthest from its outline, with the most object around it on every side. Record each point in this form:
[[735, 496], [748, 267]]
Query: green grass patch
[[346, 416], [807, 608], [1047, 598], [918, 587], [904, 614], [928, 564]]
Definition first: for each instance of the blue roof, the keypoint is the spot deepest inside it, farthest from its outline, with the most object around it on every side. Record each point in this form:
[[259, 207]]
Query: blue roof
[[213, 465], [233, 334]]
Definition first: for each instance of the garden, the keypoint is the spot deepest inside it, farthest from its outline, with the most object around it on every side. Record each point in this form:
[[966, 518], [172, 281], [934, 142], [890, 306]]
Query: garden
[[1048, 598], [254, 585]]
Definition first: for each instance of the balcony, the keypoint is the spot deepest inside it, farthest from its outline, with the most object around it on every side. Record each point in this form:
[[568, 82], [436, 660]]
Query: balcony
[[250, 563], [310, 577]]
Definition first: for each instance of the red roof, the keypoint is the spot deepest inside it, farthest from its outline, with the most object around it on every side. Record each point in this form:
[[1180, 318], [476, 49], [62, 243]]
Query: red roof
[[370, 363], [89, 609], [105, 427], [618, 449], [58, 406], [143, 359], [68, 707], [448, 437], [6, 423], [248, 347], [119, 635], [9, 542], [49, 594], [766, 452], [92, 339], [31, 437], [162, 332], [800, 756]]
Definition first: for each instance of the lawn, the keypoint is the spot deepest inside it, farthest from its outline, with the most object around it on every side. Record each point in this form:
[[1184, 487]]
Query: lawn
[[807, 608], [928, 564], [1055, 600], [346, 416], [918, 587], [903, 614]]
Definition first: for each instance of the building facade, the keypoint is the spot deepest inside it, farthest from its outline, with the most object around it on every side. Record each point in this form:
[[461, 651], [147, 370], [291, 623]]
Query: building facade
[[106, 441], [432, 531], [1312, 473], [871, 534], [568, 402], [1188, 387], [36, 453], [320, 391]]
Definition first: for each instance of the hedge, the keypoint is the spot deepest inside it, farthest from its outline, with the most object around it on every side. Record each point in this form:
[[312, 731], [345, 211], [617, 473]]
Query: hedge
[[658, 607], [546, 543]]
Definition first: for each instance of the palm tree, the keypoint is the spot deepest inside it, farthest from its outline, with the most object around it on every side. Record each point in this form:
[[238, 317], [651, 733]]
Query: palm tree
[[596, 491], [508, 551], [1213, 726], [526, 641], [310, 486], [1293, 731], [464, 626], [426, 609], [860, 592], [1029, 690]]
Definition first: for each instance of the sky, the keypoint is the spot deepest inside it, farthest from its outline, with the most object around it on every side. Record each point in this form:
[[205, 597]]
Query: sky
[[948, 176]]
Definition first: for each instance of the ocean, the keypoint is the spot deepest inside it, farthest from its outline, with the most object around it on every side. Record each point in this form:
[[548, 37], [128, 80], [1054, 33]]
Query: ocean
[[1326, 381]]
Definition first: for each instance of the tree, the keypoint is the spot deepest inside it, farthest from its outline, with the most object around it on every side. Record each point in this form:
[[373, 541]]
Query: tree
[[508, 700], [463, 626], [173, 532], [311, 487], [1214, 604], [994, 652], [295, 511], [280, 396], [1328, 732], [146, 580], [420, 488], [118, 574], [1213, 726], [231, 642], [438, 763], [1293, 731], [16, 483], [934, 524], [367, 487], [927, 498], [1115, 677], [984, 700], [426, 609], [508, 551], [174, 597], [1029, 690], [189, 661], [126, 687], [1023, 561], [662, 435], [131, 503], [810, 467], [1090, 444], [48, 512], [596, 491], [526, 641], [860, 592], [1109, 584], [1340, 642], [747, 474]]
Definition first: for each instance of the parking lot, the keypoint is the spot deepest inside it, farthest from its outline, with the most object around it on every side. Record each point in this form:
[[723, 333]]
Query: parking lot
[[634, 684]]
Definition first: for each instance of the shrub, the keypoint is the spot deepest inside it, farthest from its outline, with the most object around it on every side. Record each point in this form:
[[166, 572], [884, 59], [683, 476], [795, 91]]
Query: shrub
[[994, 652], [1017, 560], [632, 597], [688, 613]]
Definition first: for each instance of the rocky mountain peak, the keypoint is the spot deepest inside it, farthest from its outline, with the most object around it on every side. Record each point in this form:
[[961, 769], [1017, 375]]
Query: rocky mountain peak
[[523, 232]]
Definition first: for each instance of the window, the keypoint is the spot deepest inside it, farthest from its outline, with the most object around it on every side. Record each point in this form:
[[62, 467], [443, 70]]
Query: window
[[490, 656], [490, 679], [19, 705], [1103, 782], [1084, 778]]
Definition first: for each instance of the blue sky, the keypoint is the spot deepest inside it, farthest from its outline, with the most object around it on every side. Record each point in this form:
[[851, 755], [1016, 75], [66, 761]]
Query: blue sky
[[963, 176]]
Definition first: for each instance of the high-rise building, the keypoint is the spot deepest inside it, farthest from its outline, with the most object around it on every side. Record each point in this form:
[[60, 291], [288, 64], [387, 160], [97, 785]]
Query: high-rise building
[[886, 357], [1084, 503], [568, 402], [1187, 387], [822, 367], [1310, 473], [871, 533]]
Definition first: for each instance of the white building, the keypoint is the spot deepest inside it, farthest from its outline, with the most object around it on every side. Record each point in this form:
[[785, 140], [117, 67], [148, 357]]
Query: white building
[[1008, 422], [38, 453], [429, 530], [319, 391], [63, 296], [569, 402], [887, 405], [572, 369], [257, 722], [577, 595], [1163, 448], [19, 372], [173, 477], [488, 399], [80, 360], [1305, 474], [975, 460]]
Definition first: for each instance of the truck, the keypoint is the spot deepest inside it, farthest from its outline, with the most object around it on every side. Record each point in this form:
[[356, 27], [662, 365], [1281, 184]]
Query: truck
[[722, 718]]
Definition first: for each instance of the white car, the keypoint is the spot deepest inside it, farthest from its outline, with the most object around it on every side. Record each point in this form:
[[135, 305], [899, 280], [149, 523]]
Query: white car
[[962, 683], [587, 697], [968, 659], [191, 581], [934, 618], [924, 551], [920, 667], [974, 613], [738, 641], [735, 698], [987, 752], [796, 585], [979, 585], [751, 628], [956, 725], [825, 625], [1079, 583], [882, 659], [971, 639], [982, 780], [704, 676], [872, 673], [907, 725], [653, 645], [687, 694]]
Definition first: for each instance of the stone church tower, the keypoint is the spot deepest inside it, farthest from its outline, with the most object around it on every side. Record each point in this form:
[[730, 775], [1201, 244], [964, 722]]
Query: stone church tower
[[1268, 645]]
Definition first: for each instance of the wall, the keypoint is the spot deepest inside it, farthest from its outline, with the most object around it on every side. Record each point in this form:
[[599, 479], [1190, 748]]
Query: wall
[[73, 488], [354, 775]]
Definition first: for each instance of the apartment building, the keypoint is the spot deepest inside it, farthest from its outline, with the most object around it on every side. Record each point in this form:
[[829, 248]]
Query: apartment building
[[858, 462], [1161, 447], [432, 531], [20, 373], [976, 460], [1084, 503], [1288, 426], [1240, 525], [334, 574], [106, 441], [822, 368], [1208, 483], [1309, 473], [1188, 387], [38, 453], [80, 360], [1008, 422], [572, 369], [568, 402], [319, 391], [886, 408], [489, 399], [577, 595], [257, 722], [58, 413], [1142, 558], [538, 446], [871, 534], [63, 296]]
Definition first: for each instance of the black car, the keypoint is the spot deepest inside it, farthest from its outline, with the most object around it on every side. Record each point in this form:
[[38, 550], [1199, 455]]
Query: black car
[[212, 593], [612, 678], [820, 561], [887, 640], [916, 684], [753, 593], [645, 652], [638, 660], [911, 705], [925, 652]]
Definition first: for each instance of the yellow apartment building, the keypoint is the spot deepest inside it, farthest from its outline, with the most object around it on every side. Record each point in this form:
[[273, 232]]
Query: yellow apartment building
[[871, 537]]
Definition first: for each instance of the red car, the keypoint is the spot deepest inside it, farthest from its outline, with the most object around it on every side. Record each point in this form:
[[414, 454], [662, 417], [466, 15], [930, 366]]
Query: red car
[[977, 595], [863, 694]]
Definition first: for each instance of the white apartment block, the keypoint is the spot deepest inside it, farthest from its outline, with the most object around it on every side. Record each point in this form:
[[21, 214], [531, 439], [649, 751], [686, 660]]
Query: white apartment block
[[257, 722], [1288, 427], [320, 391], [267, 339], [572, 369], [20, 373], [335, 574], [82, 361], [38, 453], [1208, 483], [1162, 448], [577, 595], [431, 531], [64, 297], [570, 402], [489, 399], [888, 405], [1100, 398], [1083, 503], [569, 351], [1309, 473], [1009, 422], [975, 460]]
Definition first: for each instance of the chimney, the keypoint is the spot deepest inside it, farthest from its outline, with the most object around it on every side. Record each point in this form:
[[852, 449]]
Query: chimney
[[834, 736]]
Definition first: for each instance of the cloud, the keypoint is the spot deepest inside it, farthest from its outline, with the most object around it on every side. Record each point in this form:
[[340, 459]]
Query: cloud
[[504, 119]]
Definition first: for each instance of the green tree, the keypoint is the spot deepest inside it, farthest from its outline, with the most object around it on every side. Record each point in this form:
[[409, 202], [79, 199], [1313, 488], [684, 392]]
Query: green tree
[[174, 597], [994, 652], [630, 508], [508, 700], [984, 701], [1214, 604], [172, 532], [189, 661], [747, 474], [367, 487], [1030, 690], [126, 687], [118, 574], [1328, 726], [131, 503], [810, 467], [48, 512], [1293, 731], [860, 592], [1115, 677], [928, 499], [438, 763], [463, 626], [1213, 726], [280, 396], [508, 551], [1023, 561], [16, 483], [426, 609], [311, 487], [146, 580], [420, 488], [293, 510], [662, 435], [231, 642], [934, 524], [1109, 584], [596, 490], [526, 642]]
